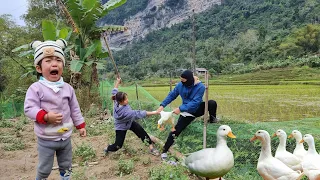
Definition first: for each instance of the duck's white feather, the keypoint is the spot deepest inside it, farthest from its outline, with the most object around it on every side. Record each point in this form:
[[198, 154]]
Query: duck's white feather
[[311, 161], [213, 162], [271, 168]]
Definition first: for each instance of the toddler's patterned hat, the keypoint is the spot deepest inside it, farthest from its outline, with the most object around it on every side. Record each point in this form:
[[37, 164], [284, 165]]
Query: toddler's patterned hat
[[48, 48]]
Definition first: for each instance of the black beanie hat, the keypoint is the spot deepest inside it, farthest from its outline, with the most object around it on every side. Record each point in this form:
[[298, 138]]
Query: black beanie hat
[[188, 75]]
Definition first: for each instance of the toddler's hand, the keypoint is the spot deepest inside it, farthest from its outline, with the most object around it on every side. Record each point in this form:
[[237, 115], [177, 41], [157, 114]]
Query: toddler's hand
[[53, 118], [83, 132]]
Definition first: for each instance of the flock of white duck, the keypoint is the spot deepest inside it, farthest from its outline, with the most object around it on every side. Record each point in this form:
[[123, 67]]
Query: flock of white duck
[[214, 163]]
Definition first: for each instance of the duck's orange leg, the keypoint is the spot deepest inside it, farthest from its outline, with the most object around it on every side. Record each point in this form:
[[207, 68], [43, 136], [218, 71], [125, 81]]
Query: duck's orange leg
[[162, 127]]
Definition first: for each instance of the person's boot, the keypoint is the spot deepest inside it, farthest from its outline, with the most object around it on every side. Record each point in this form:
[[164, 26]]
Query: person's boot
[[213, 119], [65, 175]]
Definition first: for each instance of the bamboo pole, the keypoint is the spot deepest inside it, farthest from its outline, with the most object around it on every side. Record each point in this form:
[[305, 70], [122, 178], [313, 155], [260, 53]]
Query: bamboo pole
[[110, 54], [205, 116]]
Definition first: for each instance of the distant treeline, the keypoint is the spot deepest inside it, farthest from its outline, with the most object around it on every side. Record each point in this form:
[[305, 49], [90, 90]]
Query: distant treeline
[[238, 32]]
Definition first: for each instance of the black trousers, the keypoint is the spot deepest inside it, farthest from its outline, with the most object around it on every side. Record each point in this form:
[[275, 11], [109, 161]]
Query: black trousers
[[183, 122], [121, 135]]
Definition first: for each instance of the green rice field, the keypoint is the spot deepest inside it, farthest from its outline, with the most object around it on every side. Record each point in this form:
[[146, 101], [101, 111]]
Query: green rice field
[[255, 103]]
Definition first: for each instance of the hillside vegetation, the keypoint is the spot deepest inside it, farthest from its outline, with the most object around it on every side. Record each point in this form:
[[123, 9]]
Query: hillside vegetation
[[238, 36]]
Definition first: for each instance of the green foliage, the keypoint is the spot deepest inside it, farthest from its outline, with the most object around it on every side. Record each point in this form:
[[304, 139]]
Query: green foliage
[[81, 173], [85, 152], [14, 145], [304, 40], [125, 167], [48, 30], [175, 4], [168, 172], [238, 33], [5, 123]]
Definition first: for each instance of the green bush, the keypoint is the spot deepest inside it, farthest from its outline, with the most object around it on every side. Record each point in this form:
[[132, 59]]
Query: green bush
[[85, 152], [168, 172], [125, 167]]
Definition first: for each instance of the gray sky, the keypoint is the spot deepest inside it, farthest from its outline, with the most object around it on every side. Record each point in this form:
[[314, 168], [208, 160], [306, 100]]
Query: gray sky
[[14, 7]]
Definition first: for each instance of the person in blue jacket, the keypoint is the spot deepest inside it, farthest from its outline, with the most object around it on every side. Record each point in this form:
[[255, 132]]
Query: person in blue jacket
[[124, 119], [191, 92]]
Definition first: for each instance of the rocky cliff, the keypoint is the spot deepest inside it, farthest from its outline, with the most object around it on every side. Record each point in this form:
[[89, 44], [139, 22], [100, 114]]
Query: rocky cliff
[[158, 14]]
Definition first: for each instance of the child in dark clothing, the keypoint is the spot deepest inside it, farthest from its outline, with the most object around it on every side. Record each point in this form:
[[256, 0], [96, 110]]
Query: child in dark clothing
[[124, 119]]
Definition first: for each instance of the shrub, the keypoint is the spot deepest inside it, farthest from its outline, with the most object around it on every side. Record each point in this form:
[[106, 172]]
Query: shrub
[[125, 167], [85, 152]]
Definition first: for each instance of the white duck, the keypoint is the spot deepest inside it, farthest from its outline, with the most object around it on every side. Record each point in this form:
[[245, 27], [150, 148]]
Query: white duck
[[311, 161], [283, 155], [299, 150], [213, 162], [166, 118], [271, 168]]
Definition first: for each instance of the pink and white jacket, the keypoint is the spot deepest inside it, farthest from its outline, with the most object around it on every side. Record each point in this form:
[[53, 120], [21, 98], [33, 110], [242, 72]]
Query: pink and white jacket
[[40, 100]]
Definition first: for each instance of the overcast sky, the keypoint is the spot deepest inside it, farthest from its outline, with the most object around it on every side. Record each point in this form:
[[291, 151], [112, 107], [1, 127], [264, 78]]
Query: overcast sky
[[14, 7]]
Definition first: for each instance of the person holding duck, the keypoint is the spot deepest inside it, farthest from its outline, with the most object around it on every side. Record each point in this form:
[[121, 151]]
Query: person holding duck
[[191, 91]]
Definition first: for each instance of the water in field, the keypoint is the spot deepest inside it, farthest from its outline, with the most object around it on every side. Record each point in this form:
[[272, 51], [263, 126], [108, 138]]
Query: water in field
[[259, 102]]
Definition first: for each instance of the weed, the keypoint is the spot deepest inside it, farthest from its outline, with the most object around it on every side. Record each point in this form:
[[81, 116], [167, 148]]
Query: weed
[[94, 129], [125, 167], [93, 111], [81, 174], [129, 150], [146, 160], [6, 123], [8, 139], [166, 172], [24, 120], [135, 177], [85, 152], [18, 145]]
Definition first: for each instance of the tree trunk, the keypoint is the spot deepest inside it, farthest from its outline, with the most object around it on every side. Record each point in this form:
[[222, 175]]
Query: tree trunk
[[75, 80], [94, 75]]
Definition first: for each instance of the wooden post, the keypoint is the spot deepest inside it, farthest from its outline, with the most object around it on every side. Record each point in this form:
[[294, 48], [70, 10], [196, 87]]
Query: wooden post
[[170, 81], [193, 44], [205, 116], [137, 95]]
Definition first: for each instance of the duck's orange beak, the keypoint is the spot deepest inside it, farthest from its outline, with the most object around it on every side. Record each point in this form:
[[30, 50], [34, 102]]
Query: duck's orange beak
[[274, 135], [253, 138], [302, 141], [290, 136], [230, 135]]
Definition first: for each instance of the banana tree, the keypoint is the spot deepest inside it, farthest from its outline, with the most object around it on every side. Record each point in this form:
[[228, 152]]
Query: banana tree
[[83, 15]]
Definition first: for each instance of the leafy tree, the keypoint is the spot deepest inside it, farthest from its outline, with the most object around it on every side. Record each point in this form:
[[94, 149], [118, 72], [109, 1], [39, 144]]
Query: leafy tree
[[302, 41], [83, 17], [12, 35]]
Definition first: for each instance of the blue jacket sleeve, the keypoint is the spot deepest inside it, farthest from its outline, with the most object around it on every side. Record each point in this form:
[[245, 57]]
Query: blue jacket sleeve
[[134, 114], [171, 96], [193, 105], [114, 91]]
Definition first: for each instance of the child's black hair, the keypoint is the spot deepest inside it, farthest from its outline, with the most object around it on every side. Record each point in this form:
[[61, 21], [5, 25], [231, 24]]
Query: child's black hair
[[120, 97], [39, 74]]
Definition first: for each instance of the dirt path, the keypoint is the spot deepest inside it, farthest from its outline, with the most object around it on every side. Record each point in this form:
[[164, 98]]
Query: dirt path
[[21, 164]]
